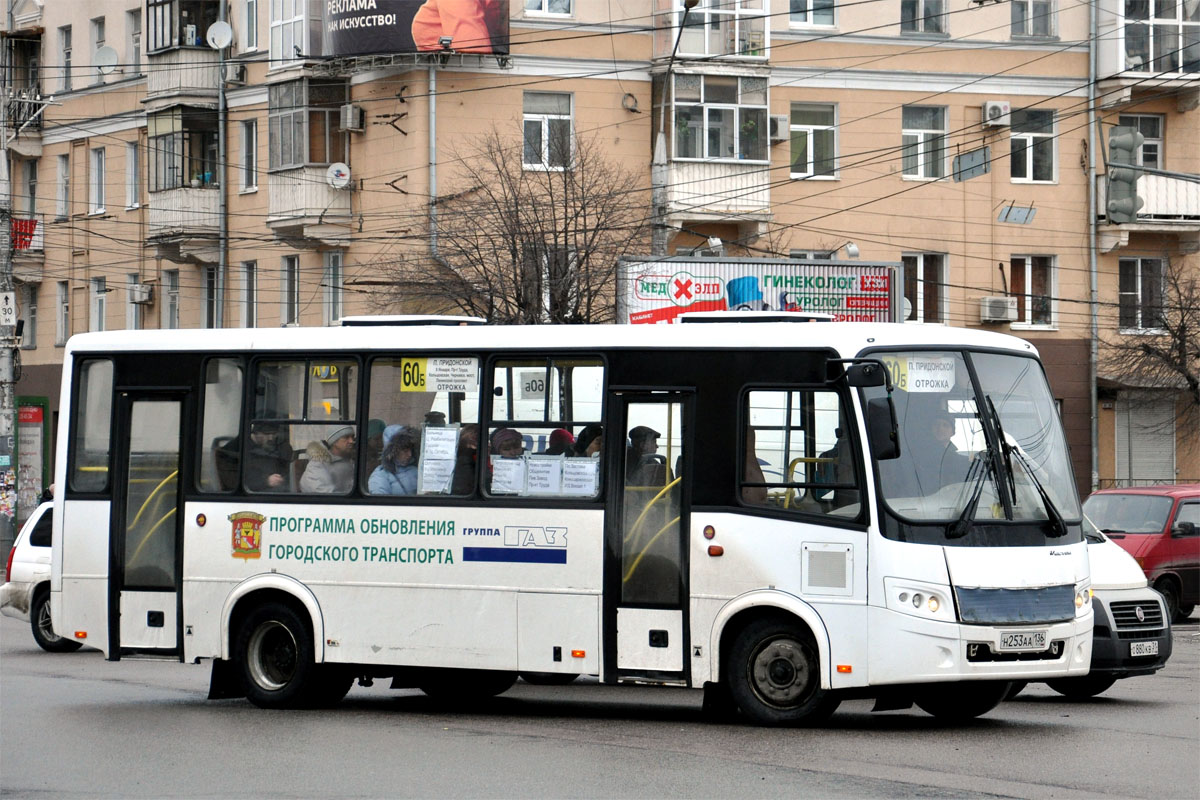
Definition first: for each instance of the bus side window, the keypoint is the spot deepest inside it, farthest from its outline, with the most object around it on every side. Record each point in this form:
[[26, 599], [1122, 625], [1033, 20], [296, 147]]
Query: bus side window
[[220, 424], [93, 426]]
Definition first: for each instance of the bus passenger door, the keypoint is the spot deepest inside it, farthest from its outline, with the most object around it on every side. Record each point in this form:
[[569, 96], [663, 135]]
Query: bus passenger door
[[645, 605], [146, 547]]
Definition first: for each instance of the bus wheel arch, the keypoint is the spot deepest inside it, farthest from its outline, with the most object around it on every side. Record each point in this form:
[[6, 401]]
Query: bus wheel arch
[[744, 610], [253, 592]]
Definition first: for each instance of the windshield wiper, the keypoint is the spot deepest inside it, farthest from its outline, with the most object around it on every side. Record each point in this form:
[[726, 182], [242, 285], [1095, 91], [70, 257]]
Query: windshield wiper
[[1005, 449], [962, 526], [1058, 525]]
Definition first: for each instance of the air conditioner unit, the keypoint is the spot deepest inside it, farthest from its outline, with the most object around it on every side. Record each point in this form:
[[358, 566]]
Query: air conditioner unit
[[141, 293], [779, 128], [351, 118], [997, 309], [235, 72], [997, 114]]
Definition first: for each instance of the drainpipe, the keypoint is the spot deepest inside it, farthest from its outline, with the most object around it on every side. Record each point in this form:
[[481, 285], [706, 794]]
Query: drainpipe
[[223, 199], [1093, 279], [433, 185]]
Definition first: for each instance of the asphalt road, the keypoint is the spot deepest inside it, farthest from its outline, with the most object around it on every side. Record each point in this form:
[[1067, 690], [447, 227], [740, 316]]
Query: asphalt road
[[76, 726]]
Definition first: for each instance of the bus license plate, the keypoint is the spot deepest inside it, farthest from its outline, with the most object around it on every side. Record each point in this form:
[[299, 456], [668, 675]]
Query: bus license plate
[[1029, 641], [1143, 648]]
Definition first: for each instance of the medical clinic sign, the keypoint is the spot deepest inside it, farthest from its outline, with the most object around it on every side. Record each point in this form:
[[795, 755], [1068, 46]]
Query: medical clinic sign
[[659, 290]]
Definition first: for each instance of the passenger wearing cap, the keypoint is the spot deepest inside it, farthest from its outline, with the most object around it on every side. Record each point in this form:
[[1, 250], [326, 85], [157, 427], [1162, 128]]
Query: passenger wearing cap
[[560, 442], [641, 456], [267, 459], [507, 442], [330, 463], [397, 470]]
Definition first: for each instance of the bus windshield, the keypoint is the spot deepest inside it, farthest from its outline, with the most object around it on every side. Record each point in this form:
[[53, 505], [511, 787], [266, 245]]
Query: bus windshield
[[984, 449]]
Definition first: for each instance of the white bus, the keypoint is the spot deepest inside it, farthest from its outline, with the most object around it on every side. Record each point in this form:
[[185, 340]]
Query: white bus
[[823, 511]]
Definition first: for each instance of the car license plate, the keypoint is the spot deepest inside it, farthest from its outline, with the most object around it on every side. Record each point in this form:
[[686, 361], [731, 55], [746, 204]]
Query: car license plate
[[1143, 648], [1024, 641]]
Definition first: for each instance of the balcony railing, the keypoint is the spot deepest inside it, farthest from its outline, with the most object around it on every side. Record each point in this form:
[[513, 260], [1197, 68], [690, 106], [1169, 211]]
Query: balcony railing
[[707, 188], [185, 70], [1166, 199], [184, 212], [28, 233], [23, 107], [302, 196]]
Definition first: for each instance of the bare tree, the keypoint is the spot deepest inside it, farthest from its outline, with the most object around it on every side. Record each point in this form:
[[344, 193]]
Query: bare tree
[[522, 245]]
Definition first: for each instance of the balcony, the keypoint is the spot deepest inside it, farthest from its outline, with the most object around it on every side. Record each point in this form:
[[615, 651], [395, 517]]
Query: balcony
[[719, 191], [304, 208], [185, 224], [183, 76], [1139, 56], [28, 236], [1171, 205]]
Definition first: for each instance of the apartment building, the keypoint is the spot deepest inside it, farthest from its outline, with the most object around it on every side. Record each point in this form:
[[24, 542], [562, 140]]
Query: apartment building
[[955, 137]]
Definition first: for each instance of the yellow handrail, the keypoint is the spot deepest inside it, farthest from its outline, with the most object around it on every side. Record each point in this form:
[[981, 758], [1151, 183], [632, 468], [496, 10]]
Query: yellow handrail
[[633, 528], [149, 497], [645, 550]]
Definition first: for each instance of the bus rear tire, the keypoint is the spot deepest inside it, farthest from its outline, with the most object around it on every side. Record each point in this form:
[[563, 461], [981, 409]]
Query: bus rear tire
[[774, 675], [549, 678], [1083, 687], [958, 702], [275, 657], [463, 685]]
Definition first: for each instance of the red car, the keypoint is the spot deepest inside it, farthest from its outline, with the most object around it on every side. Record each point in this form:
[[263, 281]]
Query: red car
[[1160, 527]]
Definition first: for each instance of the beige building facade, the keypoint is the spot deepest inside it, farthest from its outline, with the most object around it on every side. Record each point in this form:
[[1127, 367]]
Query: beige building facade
[[959, 138]]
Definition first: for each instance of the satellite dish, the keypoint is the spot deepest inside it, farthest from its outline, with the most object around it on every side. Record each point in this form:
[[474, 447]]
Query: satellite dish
[[219, 35], [105, 59], [338, 175]]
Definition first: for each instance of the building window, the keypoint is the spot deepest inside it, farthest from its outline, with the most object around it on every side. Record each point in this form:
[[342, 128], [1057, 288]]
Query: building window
[[1141, 294], [1033, 285], [287, 31], [1032, 145], [180, 23], [29, 313], [133, 197], [720, 117], [922, 16], [727, 28], [814, 140], [183, 148], [1032, 18], [1162, 36], [332, 283], [62, 312], [97, 311], [97, 43], [62, 189], [250, 155], [133, 23], [250, 37], [547, 123], [924, 287], [170, 298], [64, 56], [290, 312], [924, 138], [133, 310], [210, 297], [805, 13], [812, 255], [303, 123], [560, 7], [249, 294], [96, 182], [1151, 127], [28, 196]]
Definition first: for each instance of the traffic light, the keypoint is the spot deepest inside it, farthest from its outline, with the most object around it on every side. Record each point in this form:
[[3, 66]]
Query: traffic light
[[1123, 174]]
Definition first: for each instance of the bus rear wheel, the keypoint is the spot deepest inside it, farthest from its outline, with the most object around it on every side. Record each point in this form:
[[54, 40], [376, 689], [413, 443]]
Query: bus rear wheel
[[1083, 687], [275, 656], [958, 702], [464, 685], [774, 675]]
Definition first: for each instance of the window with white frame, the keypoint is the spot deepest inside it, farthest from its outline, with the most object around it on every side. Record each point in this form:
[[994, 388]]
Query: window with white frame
[[814, 140], [96, 179], [727, 28], [287, 31], [250, 29], [250, 155], [133, 196], [547, 130], [249, 294], [925, 287], [1032, 280], [812, 255], [99, 291], [720, 117], [1032, 18], [1142, 294], [133, 310], [808, 13], [62, 188], [29, 313], [133, 27], [556, 7], [1162, 36], [170, 305], [179, 23], [302, 123], [62, 313], [290, 291], [923, 16], [332, 282], [924, 140], [97, 43], [1150, 154], [1032, 145], [64, 56], [211, 298]]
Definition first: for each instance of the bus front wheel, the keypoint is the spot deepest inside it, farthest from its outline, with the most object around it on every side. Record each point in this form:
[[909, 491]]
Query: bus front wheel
[[774, 675], [958, 702], [275, 655]]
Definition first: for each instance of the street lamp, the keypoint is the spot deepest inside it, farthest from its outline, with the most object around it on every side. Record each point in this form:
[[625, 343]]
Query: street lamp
[[658, 169]]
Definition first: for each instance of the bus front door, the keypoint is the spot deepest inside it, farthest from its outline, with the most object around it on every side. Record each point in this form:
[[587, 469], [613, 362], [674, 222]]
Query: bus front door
[[645, 585], [146, 549]]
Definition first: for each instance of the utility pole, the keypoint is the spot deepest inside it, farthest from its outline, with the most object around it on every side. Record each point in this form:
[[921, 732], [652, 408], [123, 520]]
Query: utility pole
[[8, 427]]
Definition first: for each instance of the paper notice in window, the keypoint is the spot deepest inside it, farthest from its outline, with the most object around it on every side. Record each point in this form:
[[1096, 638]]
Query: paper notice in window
[[545, 475], [508, 475], [436, 476], [581, 477], [439, 443]]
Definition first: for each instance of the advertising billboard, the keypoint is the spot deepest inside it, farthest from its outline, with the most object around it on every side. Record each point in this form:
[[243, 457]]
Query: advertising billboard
[[659, 290], [362, 27]]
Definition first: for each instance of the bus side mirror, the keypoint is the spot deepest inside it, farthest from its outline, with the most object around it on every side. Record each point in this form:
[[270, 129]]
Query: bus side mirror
[[883, 435], [1183, 529], [865, 375]]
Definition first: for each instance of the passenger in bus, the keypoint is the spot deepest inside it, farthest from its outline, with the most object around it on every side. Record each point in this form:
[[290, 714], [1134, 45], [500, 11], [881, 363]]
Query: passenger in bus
[[590, 440], [561, 442], [397, 470], [267, 459], [465, 460], [374, 446], [507, 443], [752, 473], [330, 463], [643, 465]]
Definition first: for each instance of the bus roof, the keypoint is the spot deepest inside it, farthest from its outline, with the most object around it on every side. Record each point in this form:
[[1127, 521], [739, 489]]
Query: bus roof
[[846, 338]]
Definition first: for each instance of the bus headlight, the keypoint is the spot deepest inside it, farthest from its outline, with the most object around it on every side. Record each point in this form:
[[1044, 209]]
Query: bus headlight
[[1083, 599], [919, 599]]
